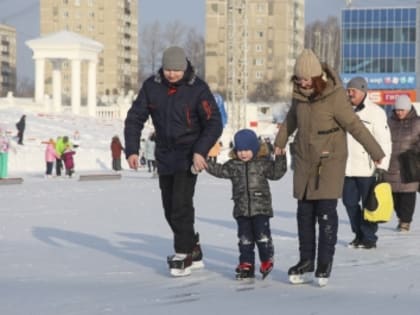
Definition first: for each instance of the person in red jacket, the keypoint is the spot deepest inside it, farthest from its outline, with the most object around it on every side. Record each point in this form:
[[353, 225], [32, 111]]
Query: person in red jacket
[[116, 150]]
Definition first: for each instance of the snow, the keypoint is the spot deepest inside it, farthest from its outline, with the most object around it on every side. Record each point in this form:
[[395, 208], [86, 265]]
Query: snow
[[100, 247]]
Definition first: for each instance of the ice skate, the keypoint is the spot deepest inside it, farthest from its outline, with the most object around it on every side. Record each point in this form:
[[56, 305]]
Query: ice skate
[[302, 272], [197, 254], [266, 267], [322, 273], [180, 265], [245, 271]]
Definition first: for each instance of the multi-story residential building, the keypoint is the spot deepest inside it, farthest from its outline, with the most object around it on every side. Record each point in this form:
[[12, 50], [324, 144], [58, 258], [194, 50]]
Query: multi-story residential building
[[7, 59], [382, 45], [249, 43], [112, 23]]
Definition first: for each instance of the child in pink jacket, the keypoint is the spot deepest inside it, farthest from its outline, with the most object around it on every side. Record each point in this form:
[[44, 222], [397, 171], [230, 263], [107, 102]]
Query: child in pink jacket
[[50, 157]]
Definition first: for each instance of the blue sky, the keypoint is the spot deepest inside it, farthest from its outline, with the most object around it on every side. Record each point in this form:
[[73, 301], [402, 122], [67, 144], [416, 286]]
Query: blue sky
[[24, 16]]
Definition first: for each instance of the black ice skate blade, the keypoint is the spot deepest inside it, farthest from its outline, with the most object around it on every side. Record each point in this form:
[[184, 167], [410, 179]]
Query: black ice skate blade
[[177, 264], [242, 277], [265, 273]]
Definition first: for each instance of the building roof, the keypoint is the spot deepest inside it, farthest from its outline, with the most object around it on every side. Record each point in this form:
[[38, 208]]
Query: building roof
[[64, 44]]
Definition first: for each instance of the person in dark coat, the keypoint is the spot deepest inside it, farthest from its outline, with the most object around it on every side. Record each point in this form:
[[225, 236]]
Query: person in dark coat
[[249, 170], [321, 115], [187, 123], [116, 150], [405, 134], [20, 126]]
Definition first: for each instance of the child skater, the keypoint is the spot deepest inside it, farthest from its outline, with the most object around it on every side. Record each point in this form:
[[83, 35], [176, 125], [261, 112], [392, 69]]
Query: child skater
[[249, 171], [68, 160], [50, 157]]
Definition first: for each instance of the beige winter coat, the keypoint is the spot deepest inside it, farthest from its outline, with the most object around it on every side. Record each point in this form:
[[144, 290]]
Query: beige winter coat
[[320, 145]]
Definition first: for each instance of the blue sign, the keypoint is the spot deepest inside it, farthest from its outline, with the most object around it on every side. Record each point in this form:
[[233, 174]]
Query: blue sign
[[384, 81]]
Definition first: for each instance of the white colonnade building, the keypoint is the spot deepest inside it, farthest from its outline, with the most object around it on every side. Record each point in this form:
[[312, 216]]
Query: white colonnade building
[[56, 48]]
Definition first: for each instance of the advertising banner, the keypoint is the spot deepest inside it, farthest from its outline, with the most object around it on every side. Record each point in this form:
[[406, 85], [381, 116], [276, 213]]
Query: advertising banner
[[387, 97], [385, 81]]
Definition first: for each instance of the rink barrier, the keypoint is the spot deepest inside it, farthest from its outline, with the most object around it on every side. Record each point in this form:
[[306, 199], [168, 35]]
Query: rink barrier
[[11, 181], [89, 177]]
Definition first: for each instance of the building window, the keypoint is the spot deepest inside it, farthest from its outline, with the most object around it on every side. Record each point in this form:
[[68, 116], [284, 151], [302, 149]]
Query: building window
[[258, 47], [259, 61], [258, 75], [261, 8]]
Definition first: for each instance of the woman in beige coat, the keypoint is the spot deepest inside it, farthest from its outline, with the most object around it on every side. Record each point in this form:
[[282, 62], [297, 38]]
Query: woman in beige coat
[[321, 115]]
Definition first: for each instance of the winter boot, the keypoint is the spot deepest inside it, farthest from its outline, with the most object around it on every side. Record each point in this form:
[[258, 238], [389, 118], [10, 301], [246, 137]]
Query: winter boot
[[322, 273], [403, 227], [180, 264], [301, 272], [354, 243], [245, 271], [266, 267], [197, 254]]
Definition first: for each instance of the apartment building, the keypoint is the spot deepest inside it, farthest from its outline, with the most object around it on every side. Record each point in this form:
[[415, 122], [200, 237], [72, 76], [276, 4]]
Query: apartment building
[[252, 41], [7, 59], [112, 23]]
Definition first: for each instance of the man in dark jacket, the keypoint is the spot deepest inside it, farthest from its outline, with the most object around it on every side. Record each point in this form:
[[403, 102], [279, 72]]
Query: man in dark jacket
[[20, 126], [187, 124]]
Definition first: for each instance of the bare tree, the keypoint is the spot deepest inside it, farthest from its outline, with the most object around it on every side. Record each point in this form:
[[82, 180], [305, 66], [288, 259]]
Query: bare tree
[[194, 48], [174, 33], [151, 46], [25, 88], [324, 39], [153, 41]]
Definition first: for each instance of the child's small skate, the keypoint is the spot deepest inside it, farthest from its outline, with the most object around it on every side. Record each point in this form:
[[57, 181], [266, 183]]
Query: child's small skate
[[245, 271]]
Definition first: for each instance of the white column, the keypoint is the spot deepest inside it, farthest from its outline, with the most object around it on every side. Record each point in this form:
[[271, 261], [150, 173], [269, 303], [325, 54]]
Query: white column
[[56, 81], [91, 97], [75, 86], [39, 80]]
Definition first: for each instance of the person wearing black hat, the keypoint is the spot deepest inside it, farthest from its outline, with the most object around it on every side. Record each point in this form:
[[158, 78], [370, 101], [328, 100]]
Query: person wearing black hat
[[321, 116], [360, 169], [187, 124], [249, 170]]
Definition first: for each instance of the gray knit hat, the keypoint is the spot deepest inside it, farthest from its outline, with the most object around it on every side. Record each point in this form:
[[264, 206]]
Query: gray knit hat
[[358, 83], [174, 59], [307, 65], [403, 102]]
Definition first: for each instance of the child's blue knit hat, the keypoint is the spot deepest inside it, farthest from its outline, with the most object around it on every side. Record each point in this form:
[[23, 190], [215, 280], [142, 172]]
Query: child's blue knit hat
[[246, 139]]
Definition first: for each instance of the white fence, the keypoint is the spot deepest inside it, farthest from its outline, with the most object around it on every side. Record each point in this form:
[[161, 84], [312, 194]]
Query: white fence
[[117, 111]]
